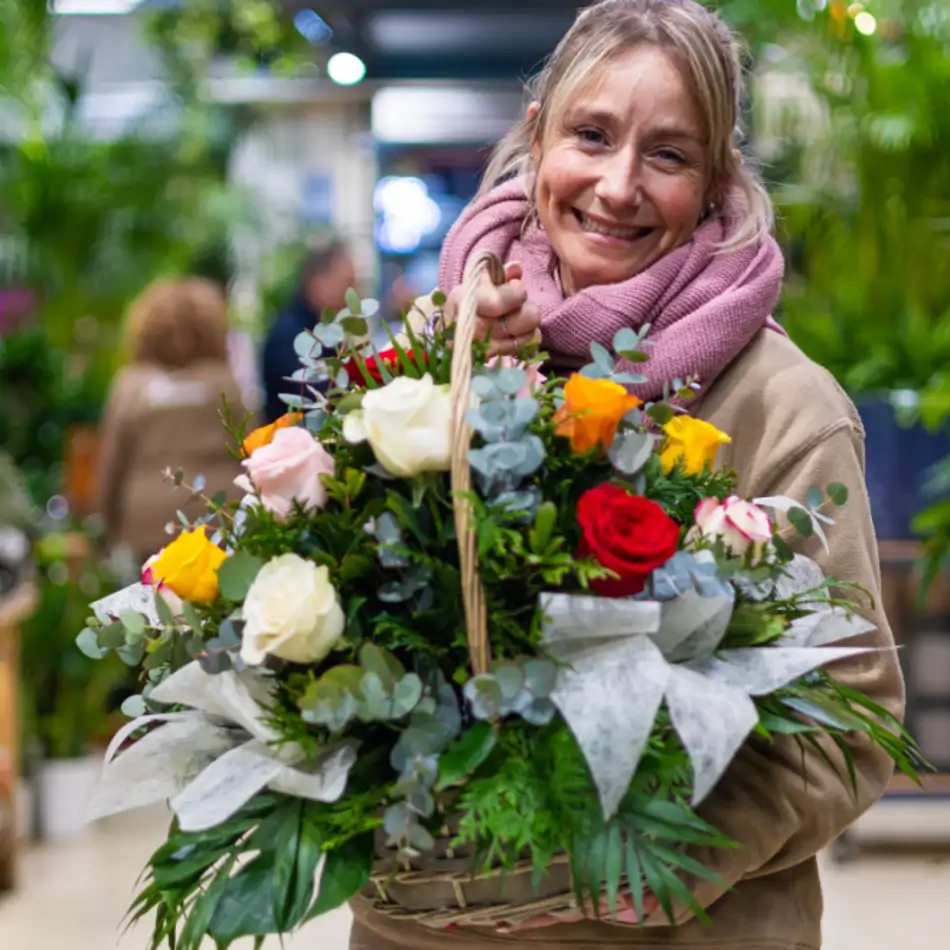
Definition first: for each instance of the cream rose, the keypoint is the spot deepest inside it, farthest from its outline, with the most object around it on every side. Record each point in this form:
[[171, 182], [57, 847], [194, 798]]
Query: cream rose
[[287, 469], [408, 424], [743, 526], [291, 611]]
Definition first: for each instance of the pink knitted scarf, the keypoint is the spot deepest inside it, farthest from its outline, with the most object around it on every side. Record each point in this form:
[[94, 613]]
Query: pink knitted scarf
[[703, 308]]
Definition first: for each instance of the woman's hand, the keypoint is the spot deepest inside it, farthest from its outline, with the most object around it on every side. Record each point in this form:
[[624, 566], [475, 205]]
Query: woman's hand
[[503, 311]]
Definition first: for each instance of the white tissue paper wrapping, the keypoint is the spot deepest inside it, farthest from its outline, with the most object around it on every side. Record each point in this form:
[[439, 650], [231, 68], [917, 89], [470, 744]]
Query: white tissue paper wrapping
[[624, 658], [213, 758]]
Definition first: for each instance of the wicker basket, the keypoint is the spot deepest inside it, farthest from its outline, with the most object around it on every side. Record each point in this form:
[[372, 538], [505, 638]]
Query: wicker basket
[[439, 889]]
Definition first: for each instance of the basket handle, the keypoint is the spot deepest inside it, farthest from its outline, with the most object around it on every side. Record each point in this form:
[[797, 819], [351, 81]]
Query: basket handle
[[473, 593]]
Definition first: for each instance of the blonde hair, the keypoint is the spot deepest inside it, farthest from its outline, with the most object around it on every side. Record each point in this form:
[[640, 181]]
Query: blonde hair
[[709, 57], [176, 323]]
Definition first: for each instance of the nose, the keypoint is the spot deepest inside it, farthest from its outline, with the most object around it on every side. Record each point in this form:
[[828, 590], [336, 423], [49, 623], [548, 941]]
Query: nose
[[620, 184]]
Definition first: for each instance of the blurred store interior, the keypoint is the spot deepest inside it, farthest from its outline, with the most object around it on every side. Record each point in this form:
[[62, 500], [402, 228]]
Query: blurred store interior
[[145, 139]]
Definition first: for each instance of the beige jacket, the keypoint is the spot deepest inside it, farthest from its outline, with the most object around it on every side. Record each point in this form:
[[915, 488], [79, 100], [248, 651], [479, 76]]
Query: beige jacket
[[155, 419], [792, 428]]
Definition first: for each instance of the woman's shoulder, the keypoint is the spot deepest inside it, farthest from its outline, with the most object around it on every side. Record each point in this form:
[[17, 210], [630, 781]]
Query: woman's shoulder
[[774, 381], [778, 406]]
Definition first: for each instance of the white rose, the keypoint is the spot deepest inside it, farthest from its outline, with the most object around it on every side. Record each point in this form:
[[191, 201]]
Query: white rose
[[291, 611], [408, 424]]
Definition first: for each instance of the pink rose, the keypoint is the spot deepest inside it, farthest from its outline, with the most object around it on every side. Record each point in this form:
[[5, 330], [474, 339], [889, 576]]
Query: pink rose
[[743, 526], [533, 375], [161, 589], [288, 469]]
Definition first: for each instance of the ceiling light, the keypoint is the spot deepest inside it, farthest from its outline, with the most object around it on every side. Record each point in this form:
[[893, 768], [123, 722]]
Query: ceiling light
[[345, 69], [93, 7]]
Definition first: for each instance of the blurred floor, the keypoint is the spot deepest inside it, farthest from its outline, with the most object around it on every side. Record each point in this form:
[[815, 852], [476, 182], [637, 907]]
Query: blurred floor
[[74, 893]]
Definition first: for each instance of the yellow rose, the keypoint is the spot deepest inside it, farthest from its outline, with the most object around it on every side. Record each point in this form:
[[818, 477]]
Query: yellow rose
[[692, 440], [592, 411], [189, 567], [265, 434]]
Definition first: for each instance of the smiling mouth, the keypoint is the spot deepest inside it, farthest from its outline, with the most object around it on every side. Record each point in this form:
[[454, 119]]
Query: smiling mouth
[[597, 227]]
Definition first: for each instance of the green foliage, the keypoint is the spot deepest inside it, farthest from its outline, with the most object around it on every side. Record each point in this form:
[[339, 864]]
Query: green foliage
[[679, 493]]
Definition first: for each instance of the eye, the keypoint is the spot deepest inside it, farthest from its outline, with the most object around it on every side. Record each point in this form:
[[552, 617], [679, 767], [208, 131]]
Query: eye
[[590, 135], [671, 156]]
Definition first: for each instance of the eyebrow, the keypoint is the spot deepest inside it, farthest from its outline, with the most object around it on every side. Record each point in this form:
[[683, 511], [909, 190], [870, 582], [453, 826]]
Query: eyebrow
[[606, 117]]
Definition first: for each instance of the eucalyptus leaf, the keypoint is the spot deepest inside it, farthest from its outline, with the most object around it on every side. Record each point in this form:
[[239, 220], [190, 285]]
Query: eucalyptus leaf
[[237, 573], [305, 345], [603, 358], [88, 643], [511, 381], [814, 498], [838, 494], [133, 707], [353, 302], [625, 339], [631, 450]]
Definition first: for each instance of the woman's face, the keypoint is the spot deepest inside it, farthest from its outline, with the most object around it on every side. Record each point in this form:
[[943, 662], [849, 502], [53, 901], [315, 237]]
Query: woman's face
[[622, 176]]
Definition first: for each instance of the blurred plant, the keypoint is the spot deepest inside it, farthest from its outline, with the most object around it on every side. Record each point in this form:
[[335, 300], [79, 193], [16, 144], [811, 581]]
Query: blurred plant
[[866, 209], [67, 697], [852, 115]]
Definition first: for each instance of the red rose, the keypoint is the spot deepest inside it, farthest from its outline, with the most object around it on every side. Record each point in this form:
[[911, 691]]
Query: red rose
[[628, 534], [390, 357]]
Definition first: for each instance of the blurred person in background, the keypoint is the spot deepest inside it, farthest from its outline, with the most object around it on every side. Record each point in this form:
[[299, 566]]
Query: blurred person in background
[[325, 277], [621, 199], [163, 411]]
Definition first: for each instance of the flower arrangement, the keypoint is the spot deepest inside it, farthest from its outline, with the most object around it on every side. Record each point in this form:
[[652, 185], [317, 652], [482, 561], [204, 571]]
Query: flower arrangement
[[368, 662]]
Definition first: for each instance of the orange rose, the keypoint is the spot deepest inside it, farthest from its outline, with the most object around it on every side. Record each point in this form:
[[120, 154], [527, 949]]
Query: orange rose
[[592, 411], [265, 434]]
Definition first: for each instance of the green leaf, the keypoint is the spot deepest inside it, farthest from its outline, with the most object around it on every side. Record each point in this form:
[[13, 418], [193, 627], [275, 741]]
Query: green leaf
[[438, 299], [826, 711], [596, 850], [191, 616], [614, 866], [544, 524], [297, 852], [660, 413], [113, 636], [814, 498], [355, 326], [205, 908], [376, 660], [838, 494], [88, 643], [353, 302], [165, 615], [466, 754], [349, 403], [345, 873], [133, 707], [133, 622], [635, 876], [801, 522], [246, 907], [783, 727], [236, 575]]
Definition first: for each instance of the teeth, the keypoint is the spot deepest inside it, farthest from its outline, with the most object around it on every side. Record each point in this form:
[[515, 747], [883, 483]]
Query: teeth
[[627, 234]]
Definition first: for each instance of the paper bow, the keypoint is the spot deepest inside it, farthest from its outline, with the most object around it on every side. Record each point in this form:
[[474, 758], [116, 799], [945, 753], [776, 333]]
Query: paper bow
[[623, 658], [215, 757]]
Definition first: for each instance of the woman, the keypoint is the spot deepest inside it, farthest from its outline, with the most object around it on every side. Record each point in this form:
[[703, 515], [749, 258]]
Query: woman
[[621, 199], [163, 411]]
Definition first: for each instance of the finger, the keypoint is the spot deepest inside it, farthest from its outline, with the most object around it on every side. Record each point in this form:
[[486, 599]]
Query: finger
[[495, 302], [511, 346], [514, 271], [523, 323]]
